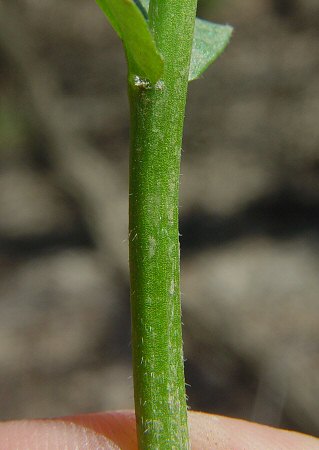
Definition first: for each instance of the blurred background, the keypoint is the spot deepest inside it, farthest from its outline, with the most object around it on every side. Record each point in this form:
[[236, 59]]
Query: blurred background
[[249, 215]]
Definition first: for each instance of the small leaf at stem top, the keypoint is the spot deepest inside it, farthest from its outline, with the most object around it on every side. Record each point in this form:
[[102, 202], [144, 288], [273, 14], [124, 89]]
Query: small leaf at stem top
[[128, 21], [143, 5], [209, 41]]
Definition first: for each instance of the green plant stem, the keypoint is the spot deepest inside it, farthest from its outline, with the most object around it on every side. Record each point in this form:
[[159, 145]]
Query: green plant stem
[[157, 116]]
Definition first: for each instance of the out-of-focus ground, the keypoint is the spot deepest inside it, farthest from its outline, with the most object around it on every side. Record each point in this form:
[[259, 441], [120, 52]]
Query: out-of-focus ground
[[249, 215]]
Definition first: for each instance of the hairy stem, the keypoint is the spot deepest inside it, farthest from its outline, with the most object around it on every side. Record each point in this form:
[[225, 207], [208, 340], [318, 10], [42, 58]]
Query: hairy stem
[[157, 116]]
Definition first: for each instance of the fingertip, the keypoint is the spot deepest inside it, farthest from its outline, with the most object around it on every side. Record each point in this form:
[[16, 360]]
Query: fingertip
[[118, 426], [51, 435], [211, 432], [116, 430]]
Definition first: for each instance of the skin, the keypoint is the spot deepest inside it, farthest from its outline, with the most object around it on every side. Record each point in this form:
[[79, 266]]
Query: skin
[[116, 430]]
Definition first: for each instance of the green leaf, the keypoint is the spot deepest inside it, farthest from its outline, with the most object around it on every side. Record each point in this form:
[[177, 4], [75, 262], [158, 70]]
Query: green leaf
[[128, 21], [209, 42]]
